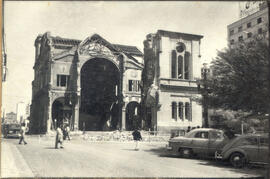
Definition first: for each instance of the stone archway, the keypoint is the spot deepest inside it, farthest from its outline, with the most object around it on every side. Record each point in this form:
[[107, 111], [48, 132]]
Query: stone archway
[[60, 110], [133, 119], [99, 108]]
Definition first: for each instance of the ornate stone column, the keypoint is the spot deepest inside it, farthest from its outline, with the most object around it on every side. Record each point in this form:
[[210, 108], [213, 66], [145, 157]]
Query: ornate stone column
[[123, 122], [49, 113], [75, 116], [122, 105], [154, 118], [76, 103]]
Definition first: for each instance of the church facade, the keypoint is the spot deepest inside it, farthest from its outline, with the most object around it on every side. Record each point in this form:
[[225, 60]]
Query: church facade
[[170, 93], [90, 84], [95, 85]]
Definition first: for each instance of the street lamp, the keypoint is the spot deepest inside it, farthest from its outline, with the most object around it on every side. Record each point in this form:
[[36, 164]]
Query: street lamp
[[205, 72]]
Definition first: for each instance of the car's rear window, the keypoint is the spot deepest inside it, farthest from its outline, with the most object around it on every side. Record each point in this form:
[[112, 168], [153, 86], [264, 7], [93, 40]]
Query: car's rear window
[[216, 135], [201, 134], [248, 141]]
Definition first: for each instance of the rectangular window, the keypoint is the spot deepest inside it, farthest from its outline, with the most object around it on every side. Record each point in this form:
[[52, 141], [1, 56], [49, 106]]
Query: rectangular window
[[260, 31], [130, 85], [240, 38], [174, 111], [240, 29], [231, 32], [134, 85], [249, 35], [259, 20], [249, 25], [180, 111], [232, 41], [62, 80]]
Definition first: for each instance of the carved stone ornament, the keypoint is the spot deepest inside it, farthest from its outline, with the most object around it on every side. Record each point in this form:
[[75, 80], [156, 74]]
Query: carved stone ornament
[[94, 48]]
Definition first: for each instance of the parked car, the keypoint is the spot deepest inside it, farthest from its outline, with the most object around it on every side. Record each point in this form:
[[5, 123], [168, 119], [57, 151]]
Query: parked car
[[11, 129], [200, 142], [251, 148]]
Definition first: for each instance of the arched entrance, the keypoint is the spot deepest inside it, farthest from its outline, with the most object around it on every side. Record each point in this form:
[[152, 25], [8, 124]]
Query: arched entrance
[[133, 119], [61, 113], [99, 109]]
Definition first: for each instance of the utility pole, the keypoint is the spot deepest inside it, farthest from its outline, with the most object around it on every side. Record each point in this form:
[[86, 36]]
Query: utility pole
[[205, 72]]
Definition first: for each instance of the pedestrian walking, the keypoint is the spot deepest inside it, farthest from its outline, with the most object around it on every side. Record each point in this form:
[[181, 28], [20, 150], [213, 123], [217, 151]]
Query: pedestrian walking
[[188, 129], [22, 134], [136, 137], [67, 132], [59, 137]]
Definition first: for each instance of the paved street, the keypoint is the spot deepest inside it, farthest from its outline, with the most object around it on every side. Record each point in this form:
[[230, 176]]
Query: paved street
[[82, 158]]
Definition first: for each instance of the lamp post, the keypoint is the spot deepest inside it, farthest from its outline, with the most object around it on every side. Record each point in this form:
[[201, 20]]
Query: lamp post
[[205, 71]]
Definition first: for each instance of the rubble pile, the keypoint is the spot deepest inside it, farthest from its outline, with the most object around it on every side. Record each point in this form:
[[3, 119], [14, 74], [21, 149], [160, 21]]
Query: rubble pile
[[122, 136]]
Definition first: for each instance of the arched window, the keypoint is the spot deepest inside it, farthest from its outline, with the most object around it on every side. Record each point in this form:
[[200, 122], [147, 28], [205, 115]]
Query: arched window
[[173, 67], [174, 111], [187, 57], [180, 67], [180, 110], [187, 111]]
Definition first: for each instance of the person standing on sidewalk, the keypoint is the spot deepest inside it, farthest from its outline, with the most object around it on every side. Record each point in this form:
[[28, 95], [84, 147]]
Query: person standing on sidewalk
[[67, 132], [22, 134], [59, 137], [136, 137]]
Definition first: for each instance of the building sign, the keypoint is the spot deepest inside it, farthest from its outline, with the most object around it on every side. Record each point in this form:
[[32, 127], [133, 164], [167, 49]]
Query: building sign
[[250, 7]]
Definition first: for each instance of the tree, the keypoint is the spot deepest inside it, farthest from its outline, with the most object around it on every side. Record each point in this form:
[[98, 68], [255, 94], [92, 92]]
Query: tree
[[239, 79]]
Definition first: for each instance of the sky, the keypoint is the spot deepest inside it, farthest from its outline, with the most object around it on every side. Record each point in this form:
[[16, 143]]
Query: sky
[[118, 22]]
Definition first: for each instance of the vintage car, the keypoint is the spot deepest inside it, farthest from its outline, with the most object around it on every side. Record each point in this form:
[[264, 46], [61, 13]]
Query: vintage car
[[11, 129], [198, 142], [250, 148]]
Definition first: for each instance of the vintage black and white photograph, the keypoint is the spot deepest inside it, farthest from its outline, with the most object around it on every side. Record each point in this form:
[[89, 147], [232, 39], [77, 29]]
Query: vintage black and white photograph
[[135, 89]]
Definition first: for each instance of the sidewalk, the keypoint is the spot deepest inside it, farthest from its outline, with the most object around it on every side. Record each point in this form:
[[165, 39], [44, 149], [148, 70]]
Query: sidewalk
[[109, 136], [12, 162]]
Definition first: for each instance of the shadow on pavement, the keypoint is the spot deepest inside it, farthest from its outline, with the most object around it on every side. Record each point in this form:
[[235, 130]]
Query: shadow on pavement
[[131, 150], [11, 137], [50, 148], [162, 152], [249, 169]]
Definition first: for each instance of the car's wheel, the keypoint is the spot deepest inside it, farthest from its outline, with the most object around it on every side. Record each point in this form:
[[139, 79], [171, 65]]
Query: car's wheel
[[186, 152], [238, 160]]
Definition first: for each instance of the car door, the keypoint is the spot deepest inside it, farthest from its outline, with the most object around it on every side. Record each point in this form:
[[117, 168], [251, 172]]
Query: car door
[[250, 145], [200, 143], [263, 149], [216, 141]]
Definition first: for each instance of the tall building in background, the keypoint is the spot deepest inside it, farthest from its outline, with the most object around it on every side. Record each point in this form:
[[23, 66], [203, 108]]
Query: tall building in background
[[10, 118], [20, 112], [253, 23]]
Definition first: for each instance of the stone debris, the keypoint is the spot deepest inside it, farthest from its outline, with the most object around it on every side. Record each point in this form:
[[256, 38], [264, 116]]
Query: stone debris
[[102, 136], [122, 136]]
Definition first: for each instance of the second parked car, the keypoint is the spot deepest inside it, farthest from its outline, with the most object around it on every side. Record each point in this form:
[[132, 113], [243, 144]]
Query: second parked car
[[252, 148], [201, 142]]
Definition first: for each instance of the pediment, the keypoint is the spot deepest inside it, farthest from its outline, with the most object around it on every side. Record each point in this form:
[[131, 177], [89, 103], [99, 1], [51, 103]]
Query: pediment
[[95, 45], [133, 65]]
